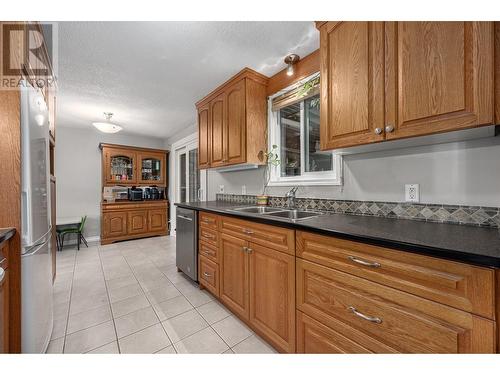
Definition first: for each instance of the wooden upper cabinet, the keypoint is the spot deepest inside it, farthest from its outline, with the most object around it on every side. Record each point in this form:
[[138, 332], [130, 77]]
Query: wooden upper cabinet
[[352, 83], [218, 133], [232, 122], [151, 168], [235, 143], [439, 77], [203, 137], [127, 165], [388, 80], [119, 166]]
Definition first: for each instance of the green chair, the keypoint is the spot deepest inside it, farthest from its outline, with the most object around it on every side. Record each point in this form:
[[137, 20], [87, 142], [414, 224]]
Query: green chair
[[78, 230]]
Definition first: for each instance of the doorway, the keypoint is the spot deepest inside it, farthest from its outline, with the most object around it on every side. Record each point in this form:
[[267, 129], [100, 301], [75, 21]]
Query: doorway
[[190, 181]]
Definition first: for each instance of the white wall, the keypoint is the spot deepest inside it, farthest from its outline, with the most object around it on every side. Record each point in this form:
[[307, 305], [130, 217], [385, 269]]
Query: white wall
[[78, 171], [465, 173]]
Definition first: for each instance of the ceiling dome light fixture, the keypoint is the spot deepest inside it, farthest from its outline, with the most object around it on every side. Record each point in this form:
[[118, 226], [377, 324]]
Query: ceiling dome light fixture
[[291, 60], [107, 127]]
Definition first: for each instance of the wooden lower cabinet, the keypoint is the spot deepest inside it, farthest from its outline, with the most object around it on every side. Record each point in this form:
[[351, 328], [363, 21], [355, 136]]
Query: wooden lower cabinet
[[387, 320], [122, 221], [234, 275], [272, 295], [340, 296], [4, 300]]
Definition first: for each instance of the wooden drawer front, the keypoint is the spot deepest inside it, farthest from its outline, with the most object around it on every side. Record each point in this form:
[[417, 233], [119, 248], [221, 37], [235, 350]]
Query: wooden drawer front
[[400, 321], [455, 284], [208, 251], [316, 338], [209, 235], [209, 220], [209, 275], [276, 238]]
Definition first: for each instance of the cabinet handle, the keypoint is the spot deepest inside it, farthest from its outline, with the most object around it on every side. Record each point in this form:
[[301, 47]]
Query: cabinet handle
[[247, 231], [249, 250], [209, 253], [378, 130], [184, 217], [372, 319], [2, 275], [206, 274], [208, 235], [364, 262], [205, 220], [244, 248], [389, 128]]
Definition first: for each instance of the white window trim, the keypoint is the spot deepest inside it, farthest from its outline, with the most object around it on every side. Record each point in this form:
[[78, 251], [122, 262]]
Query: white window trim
[[306, 178]]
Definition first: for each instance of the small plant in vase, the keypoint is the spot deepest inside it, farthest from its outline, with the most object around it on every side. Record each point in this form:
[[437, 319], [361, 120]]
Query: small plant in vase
[[272, 160]]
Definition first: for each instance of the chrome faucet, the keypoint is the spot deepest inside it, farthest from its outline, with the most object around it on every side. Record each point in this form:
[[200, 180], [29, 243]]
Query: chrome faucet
[[290, 195]]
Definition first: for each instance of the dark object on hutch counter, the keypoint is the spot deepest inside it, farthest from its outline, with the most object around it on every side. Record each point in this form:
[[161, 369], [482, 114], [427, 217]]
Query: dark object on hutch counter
[[155, 193], [147, 193], [135, 194]]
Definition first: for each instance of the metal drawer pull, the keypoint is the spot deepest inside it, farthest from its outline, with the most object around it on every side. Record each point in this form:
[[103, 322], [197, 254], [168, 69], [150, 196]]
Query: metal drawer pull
[[364, 262], [184, 217], [372, 319], [247, 231], [206, 274], [208, 235], [2, 274], [249, 250], [209, 252], [206, 219]]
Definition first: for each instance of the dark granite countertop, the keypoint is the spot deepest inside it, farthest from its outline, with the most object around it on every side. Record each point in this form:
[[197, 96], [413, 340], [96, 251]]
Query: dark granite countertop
[[6, 234], [469, 244]]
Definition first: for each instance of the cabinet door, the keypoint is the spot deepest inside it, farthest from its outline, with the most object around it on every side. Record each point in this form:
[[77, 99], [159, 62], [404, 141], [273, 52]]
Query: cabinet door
[[114, 224], [4, 307], [157, 220], [272, 295], [352, 83], [151, 168], [439, 77], [218, 131], [203, 137], [119, 166], [235, 142], [234, 274], [137, 222]]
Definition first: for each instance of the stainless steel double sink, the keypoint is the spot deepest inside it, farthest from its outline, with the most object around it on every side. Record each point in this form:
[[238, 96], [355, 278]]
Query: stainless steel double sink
[[290, 214]]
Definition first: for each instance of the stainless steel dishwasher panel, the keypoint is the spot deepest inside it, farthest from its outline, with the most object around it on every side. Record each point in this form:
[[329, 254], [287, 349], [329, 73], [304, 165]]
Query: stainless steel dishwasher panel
[[187, 242]]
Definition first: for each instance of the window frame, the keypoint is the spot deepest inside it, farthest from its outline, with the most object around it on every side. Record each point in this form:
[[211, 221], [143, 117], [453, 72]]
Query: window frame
[[333, 177]]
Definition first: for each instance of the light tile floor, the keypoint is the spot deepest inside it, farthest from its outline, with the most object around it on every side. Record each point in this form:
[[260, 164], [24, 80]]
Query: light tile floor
[[129, 298]]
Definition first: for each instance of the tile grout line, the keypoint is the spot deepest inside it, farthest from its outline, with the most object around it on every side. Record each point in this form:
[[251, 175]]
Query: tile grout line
[[69, 302], [109, 299]]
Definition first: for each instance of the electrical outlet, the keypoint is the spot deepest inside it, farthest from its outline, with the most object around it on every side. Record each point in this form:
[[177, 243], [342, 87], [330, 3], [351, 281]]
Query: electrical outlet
[[412, 193], [221, 189], [243, 189]]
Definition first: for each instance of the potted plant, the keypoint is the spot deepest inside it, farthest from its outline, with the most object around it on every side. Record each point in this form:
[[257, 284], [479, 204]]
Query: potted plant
[[271, 160]]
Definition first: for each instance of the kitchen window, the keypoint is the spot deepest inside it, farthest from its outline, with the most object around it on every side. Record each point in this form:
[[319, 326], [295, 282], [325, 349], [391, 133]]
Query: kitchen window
[[294, 128]]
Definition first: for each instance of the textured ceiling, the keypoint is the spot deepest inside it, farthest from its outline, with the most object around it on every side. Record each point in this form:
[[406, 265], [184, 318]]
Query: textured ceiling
[[150, 74]]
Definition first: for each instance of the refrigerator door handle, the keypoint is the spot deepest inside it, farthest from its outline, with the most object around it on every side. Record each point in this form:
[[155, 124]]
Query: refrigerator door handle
[[33, 249], [25, 215]]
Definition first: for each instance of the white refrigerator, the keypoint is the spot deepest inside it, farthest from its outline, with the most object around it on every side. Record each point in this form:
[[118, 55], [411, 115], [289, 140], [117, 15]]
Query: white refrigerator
[[36, 265]]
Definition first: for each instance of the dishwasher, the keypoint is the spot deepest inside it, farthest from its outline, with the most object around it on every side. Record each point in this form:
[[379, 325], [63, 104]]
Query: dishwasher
[[186, 249]]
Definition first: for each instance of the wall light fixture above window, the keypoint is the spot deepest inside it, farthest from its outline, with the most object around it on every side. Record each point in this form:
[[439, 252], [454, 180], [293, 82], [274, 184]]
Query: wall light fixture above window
[[291, 60], [108, 126]]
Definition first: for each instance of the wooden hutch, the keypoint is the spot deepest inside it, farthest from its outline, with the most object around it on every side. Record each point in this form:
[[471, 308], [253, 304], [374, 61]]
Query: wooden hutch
[[128, 166]]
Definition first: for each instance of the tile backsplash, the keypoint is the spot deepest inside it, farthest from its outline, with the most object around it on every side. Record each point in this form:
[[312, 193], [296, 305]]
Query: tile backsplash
[[440, 213]]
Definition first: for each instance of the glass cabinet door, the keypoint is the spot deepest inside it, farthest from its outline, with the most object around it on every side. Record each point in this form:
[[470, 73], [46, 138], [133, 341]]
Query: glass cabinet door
[[151, 168], [121, 167]]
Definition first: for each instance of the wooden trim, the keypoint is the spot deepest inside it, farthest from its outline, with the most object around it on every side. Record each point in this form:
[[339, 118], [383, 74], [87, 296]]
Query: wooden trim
[[244, 73], [496, 298], [497, 73], [319, 24], [146, 149], [304, 68], [10, 214]]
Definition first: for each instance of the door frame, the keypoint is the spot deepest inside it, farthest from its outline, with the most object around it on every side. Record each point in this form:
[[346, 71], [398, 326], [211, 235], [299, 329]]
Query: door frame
[[183, 145]]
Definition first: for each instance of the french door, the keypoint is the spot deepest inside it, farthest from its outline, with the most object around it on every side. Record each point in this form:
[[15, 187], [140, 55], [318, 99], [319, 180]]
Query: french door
[[190, 182]]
